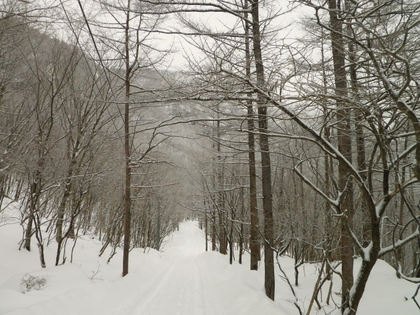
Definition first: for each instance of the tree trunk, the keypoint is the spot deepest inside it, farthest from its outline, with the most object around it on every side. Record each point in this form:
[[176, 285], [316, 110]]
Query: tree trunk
[[254, 240], [223, 242], [127, 187], [231, 245], [60, 215], [328, 171], [64, 199], [344, 146], [206, 228], [241, 243], [269, 279], [367, 265], [28, 233], [360, 137], [213, 230]]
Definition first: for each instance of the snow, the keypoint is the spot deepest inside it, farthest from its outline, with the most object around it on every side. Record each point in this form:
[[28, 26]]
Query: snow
[[181, 279]]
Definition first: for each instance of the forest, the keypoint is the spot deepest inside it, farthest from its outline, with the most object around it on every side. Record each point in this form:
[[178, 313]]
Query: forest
[[286, 128]]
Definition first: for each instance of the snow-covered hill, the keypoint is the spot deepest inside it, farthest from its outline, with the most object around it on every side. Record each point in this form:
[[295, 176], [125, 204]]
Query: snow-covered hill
[[183, 279]]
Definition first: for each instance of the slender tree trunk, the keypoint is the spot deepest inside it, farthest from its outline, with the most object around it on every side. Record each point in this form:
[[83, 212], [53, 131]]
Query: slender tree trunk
[[399, 252], [213, 230], [223, 241], [241, 243], [3, 176], [63, 203], [269, 279], [28, 233], [241, 227], [360, 137], [206, 228], [328, 171], [35, 192], [254, 241], [127, 186], [231, 244], [344, 146]]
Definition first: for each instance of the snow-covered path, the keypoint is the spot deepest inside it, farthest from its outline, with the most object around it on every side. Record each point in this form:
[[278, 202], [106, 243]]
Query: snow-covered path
[[194, 282], [181, 288], [182, 279], [182, 284]]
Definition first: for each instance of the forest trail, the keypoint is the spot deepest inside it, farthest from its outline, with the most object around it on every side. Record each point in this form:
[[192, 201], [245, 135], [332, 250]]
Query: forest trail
[[181, 279], [181, 287], [191, 281]]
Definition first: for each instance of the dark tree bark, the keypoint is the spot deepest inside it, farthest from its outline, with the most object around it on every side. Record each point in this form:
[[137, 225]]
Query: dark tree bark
[[269, 279], [344, 147], [63, 203], [34, 223], [213, 230], [223, 242], [360, 137], [254, 240], [206, 227], [127, 153], [28, 233]]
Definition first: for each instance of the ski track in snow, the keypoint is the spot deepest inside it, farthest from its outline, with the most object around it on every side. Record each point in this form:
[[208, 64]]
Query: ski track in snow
[[181, 285], [182, 279], [182, 288]]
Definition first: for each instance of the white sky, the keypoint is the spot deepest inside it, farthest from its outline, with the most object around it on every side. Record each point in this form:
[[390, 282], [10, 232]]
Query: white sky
[[216, 21]]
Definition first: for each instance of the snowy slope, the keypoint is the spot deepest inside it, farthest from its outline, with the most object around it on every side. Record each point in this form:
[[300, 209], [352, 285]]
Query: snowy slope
[[182, 279]]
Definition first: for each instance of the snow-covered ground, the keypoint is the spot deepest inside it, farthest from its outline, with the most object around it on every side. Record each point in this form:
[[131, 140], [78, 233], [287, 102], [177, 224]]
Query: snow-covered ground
[[182, 279]]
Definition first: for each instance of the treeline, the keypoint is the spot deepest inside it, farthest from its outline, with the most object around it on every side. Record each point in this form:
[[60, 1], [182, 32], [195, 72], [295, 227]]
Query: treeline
[[62, 148]]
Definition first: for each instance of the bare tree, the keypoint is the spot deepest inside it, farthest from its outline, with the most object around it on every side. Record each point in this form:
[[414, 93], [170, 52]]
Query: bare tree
[[129, 53]]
